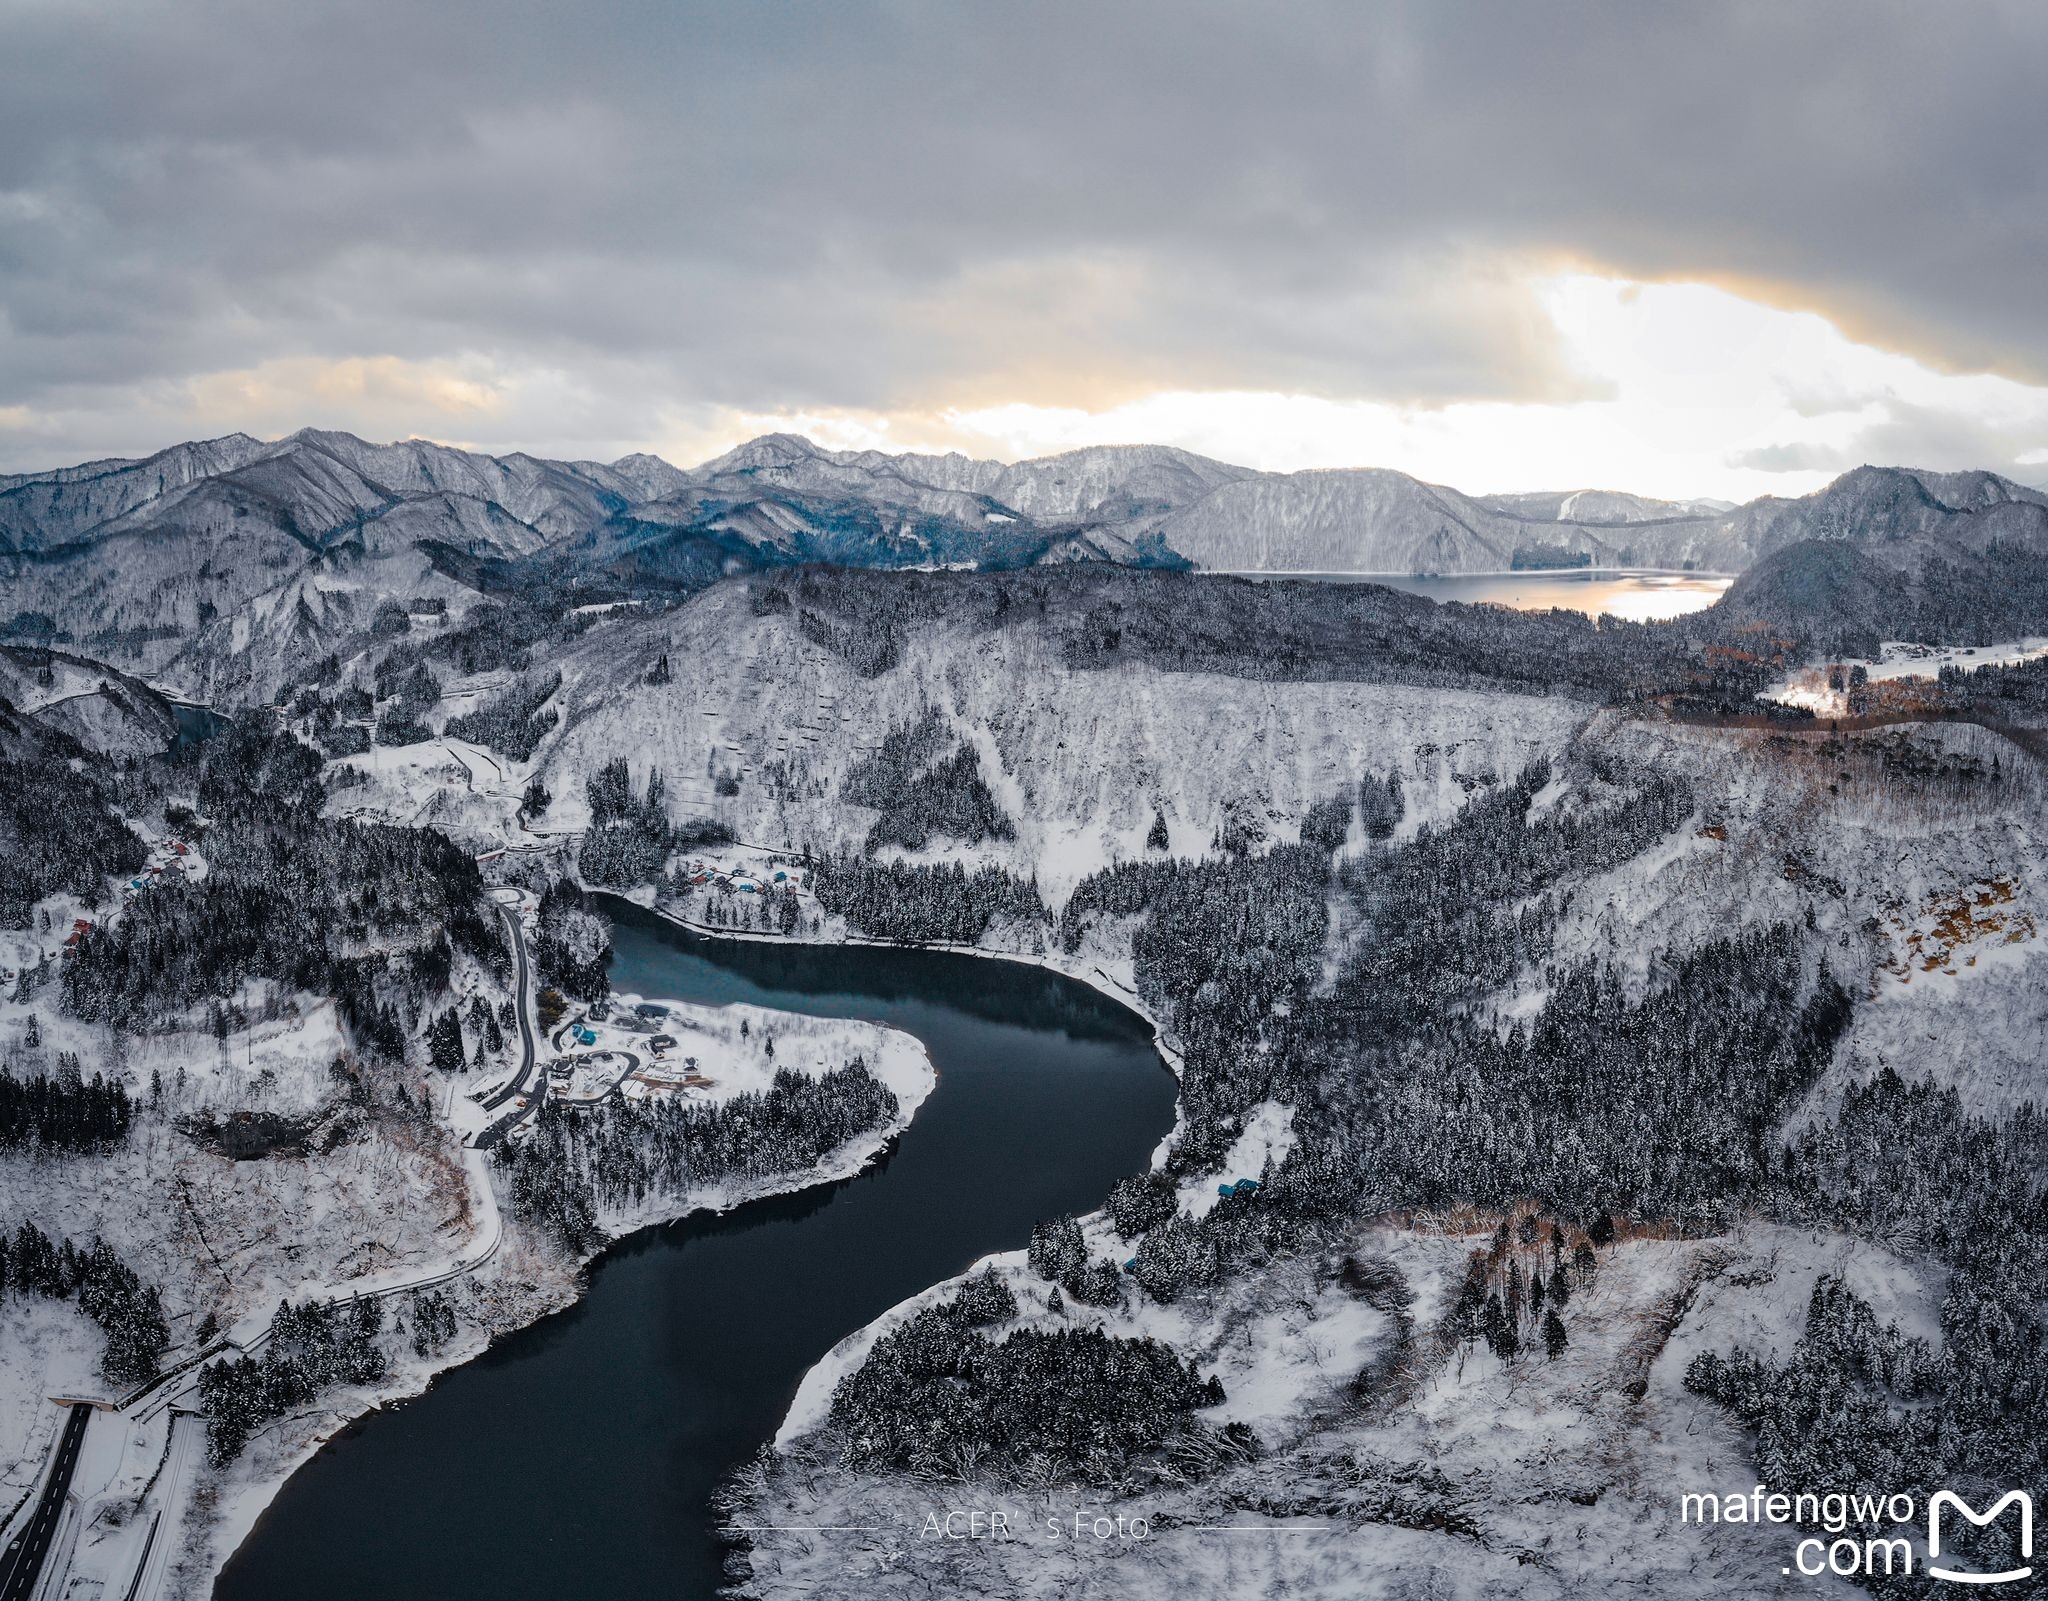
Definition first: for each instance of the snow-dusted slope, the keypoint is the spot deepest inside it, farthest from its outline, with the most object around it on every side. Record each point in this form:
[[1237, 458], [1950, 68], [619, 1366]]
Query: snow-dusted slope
[[1101, 482], [1386, 522], [102, 709], [39, 511], [1398, 1463], [1109, 480], [138, 557], [1078, 760], [554, 497], [1599, 506], [1366, 522]]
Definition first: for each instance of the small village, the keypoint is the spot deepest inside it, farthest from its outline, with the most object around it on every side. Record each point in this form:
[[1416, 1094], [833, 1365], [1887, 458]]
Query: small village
[[171, 861], [625, 1048], [742, 877], [634, 1049]]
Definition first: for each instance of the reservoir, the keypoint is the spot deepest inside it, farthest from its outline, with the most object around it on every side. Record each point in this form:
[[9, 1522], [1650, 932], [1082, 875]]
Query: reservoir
[[576, 1458], [1637, 594]]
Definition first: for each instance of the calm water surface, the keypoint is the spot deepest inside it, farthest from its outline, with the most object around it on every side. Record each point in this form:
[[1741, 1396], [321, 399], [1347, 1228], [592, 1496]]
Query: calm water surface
[[1638, 594], [574, 1460]]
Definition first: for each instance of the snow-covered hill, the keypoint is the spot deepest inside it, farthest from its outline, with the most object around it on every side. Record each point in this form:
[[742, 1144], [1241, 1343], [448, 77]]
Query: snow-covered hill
[[238, 548], [87, 701], [1600, 506], [1079, 761]]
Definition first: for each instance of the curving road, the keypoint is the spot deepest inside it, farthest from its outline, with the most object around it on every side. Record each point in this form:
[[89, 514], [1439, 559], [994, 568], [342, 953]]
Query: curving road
[[22, 1566], [162, 1393], [514, 1086]]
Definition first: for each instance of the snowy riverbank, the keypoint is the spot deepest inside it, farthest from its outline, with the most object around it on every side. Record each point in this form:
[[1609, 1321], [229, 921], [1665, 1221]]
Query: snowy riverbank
[[503, 1278], [1081, 969]]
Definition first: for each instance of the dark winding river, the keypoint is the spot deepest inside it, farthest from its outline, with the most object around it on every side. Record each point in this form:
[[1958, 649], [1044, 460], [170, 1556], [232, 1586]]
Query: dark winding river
[[575, 1459]]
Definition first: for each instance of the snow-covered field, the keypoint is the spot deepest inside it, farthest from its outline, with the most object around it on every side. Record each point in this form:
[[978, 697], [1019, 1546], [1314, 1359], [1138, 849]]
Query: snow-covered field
[[1808, 686]]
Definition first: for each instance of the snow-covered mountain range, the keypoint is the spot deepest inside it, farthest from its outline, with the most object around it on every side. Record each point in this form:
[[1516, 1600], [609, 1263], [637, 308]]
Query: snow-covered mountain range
[[266, 555]]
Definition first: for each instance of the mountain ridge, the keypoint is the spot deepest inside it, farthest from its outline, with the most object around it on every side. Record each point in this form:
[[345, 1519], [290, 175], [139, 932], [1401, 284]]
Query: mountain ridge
[[243, 555]]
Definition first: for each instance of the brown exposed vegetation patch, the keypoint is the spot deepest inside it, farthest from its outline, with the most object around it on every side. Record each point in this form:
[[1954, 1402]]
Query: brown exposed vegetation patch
[[1936, 938]]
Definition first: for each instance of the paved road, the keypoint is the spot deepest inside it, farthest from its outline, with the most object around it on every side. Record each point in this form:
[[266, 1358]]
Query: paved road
[[188, 1431], [499, 1097], [22, 1565]]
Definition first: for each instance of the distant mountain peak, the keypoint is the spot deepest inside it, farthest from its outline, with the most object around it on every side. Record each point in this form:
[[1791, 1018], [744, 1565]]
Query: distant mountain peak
[[765, 450]]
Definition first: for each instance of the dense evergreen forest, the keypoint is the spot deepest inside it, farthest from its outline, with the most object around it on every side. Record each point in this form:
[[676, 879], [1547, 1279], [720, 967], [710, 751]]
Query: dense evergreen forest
[[1858, 1405], [572, 942], [916, 902], [623, 1152], [62, 1112], [631, 835], [368, 913], [310, 1348], [924, 782], [57, 834], [2007, 694], [514, 721], [354, 910], [129, 1312], [942, 1399]]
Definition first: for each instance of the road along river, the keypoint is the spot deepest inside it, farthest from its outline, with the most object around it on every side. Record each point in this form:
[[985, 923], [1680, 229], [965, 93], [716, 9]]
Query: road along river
[[576, 1458]]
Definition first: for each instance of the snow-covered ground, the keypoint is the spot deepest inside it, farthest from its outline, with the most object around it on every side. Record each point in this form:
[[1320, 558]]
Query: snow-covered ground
[[1919, 859], [323, 1193], [1268, 1136], [1807, 687], [721, 1052], [1398, 1463], [1078, 760], [1544, 1478]]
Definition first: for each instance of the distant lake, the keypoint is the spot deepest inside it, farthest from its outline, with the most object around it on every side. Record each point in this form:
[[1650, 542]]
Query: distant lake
[[1639, 594], [196, 724]]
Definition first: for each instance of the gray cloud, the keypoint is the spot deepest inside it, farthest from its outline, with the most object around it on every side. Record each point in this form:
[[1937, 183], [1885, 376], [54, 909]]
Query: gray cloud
[[1796, 456], [675, 206], [1917, 436]]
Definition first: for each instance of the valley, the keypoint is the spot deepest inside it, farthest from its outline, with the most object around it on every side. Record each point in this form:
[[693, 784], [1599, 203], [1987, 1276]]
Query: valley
[[1023, 802], [1526, 976]]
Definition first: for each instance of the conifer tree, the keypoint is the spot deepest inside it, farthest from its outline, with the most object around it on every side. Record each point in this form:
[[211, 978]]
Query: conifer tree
[[445, 1050]]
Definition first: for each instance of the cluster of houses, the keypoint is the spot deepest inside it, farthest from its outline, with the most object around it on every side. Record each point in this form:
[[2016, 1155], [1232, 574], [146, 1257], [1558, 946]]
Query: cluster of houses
[[172, 869], [585, 1076], [175, 853], [700, 874]]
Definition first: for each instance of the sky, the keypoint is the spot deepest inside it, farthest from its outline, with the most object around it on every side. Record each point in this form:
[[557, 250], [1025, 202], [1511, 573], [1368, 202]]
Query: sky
[[1718, 249]]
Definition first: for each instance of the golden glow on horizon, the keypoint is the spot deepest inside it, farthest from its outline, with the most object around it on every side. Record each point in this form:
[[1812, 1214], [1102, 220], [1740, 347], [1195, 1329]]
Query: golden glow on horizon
[[1704, 393], [1678, 390]]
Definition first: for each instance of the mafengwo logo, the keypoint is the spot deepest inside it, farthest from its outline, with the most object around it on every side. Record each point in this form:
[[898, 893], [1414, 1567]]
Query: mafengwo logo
[[1862, 1546], [1948, 1498]]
